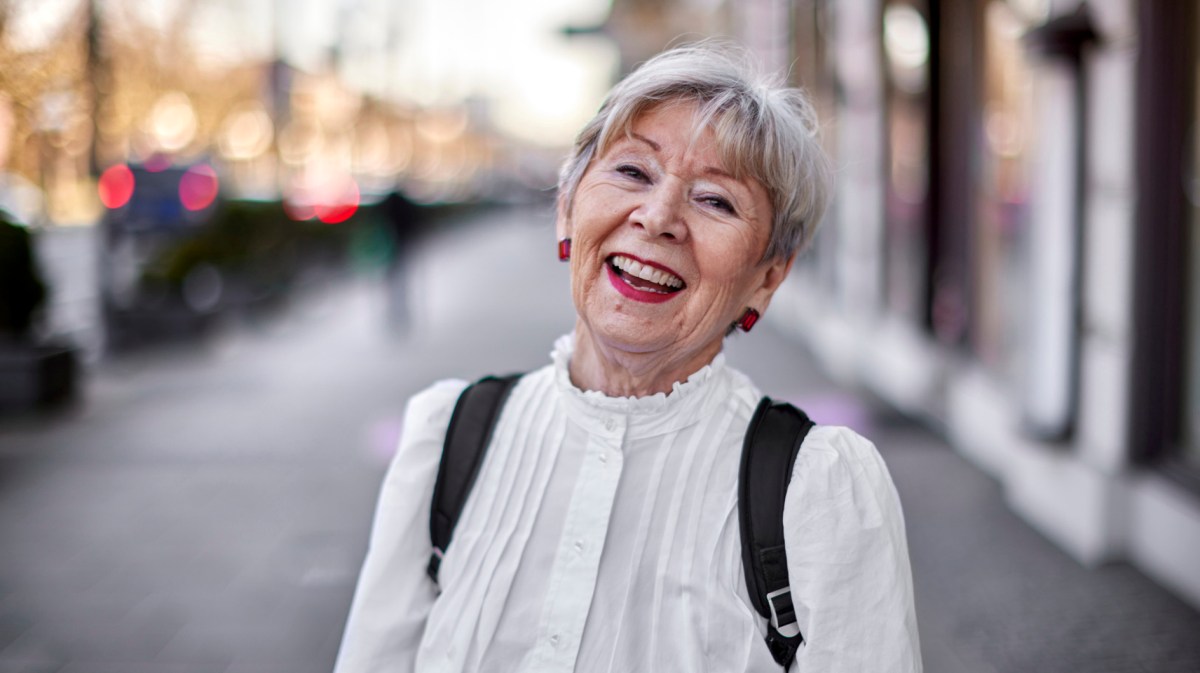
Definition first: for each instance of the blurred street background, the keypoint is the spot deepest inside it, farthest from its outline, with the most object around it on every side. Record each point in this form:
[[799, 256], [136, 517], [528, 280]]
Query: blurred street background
[[236, 236]]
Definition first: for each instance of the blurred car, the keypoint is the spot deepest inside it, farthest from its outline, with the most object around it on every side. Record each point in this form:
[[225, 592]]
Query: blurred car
[[149, 210]]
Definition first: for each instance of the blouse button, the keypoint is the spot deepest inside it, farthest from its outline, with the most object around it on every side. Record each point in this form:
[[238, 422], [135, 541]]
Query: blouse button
[[603, 458], [610, 425], [579, 546], [554, 640]]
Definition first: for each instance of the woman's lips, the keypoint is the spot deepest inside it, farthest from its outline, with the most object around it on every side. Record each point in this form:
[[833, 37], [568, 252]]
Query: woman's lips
[[642, 281], [655, 273]]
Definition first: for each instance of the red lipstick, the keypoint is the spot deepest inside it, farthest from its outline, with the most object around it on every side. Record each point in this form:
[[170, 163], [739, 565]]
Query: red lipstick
[[634, 293]]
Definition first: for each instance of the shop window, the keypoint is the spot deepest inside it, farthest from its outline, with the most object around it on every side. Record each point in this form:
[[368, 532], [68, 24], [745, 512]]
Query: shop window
[[907, 53], [999, 254]]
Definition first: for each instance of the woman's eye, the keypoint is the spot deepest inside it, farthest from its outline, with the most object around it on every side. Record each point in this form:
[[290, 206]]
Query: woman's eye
[[720, 203], [631, 171]]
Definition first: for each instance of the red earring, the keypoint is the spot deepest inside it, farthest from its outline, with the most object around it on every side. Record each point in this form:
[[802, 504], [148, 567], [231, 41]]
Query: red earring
[[746, 322], [564, 250]]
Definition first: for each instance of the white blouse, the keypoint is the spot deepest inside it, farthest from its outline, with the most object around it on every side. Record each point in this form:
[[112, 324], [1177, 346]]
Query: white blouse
[[602, 535]]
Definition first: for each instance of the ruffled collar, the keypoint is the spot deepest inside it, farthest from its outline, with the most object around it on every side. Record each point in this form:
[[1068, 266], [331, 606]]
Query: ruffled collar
[[661, 411]]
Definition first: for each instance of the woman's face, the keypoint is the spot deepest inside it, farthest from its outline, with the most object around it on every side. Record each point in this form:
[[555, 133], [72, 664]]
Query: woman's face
[[666, 244]]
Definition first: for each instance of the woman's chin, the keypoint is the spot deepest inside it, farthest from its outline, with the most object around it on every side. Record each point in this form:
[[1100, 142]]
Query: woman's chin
[[629, 333], [618, 323], [638, 336]]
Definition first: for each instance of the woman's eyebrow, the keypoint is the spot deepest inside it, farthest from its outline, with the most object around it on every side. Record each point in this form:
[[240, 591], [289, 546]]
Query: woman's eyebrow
[[720, 172], [651, 143]]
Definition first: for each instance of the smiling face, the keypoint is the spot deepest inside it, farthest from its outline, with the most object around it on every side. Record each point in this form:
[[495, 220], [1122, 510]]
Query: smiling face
[[667, 246]]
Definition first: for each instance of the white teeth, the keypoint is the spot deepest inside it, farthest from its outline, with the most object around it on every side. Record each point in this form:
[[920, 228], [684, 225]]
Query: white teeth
[[646, 272]]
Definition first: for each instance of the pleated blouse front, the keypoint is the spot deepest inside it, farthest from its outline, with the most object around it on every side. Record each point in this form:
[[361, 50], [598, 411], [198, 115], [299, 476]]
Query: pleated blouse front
[[600, 535]]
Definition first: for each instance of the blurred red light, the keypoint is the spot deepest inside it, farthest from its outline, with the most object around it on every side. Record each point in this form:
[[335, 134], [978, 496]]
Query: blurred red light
[[344, 208], [116, 186], [198, 187], [336, 214]]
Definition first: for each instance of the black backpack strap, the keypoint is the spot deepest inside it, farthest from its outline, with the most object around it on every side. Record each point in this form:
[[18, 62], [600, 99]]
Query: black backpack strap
[[467, 439], [772, 443]]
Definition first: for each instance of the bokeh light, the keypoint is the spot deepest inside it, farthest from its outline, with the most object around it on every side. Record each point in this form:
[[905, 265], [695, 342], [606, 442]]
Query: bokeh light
[[341, 205], [116, 186], [173, 121], [246, 133], [198, 187]]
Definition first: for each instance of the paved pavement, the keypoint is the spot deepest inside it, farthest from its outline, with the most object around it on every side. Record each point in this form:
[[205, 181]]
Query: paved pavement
[[205, 508]]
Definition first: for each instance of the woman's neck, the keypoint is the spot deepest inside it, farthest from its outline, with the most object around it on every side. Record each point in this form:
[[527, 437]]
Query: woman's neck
[[599, 366]]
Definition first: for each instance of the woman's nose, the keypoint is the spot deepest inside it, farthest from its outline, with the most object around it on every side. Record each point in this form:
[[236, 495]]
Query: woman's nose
[[662, 212]]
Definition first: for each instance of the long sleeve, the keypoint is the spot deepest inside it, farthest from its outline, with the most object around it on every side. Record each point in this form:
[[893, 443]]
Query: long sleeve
[[394, 595], [848, 559]]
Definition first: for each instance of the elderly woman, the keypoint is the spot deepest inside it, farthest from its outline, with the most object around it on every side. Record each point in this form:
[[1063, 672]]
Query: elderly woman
[[602, 531]]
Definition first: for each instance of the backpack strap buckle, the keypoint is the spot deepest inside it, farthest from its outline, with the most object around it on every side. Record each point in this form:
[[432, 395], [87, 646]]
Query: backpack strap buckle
[[783, 612]]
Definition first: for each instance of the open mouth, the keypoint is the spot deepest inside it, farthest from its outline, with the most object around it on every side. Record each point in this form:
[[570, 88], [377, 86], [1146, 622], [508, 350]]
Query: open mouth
[[642, 280]]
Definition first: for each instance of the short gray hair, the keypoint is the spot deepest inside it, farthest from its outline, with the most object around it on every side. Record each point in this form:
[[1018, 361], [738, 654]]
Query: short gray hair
[[764, 130]]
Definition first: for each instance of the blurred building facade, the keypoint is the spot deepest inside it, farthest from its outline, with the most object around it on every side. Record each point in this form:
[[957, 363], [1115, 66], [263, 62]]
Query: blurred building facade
[[1013, 251]]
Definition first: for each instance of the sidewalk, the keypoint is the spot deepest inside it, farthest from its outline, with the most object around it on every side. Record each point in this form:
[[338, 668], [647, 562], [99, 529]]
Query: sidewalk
[[205, 510]]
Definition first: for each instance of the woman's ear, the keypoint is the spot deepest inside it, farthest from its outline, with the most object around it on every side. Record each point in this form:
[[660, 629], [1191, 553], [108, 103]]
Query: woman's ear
[[562, 228], [773, 272]]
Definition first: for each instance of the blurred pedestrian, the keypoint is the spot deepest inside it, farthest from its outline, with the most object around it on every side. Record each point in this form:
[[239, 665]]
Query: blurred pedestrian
[[602, 532], [405, 220]]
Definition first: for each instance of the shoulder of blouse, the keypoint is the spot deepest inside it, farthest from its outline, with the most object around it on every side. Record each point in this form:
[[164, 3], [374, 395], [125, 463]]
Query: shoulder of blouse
[[434, 404], [425, 420], [837, 467], [847, 558]]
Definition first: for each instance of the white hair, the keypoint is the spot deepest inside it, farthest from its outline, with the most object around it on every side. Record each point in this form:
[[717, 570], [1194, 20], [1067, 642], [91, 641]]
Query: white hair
[[763, 130]]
